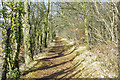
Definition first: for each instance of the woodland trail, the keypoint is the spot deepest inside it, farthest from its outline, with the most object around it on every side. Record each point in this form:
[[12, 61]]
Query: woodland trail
[[57, 64]]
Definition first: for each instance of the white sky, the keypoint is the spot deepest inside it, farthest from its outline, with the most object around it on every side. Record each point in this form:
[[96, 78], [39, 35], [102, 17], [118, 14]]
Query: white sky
[[67, 0], [0, 5]]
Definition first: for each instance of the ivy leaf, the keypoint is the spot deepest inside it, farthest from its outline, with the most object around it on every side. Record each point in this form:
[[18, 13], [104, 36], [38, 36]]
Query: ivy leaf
[[1, 24]]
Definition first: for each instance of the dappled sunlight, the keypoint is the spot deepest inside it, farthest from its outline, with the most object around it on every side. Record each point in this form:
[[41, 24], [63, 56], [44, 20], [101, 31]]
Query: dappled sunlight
[[59, 40], [55, 64]]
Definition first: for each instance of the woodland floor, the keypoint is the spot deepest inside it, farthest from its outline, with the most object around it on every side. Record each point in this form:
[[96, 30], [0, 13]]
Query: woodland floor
[[57, 64], [66, 60]]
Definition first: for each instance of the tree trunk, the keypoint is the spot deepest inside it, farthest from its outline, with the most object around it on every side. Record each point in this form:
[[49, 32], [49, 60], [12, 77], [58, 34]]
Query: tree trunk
[[85, 25], [27, 35], [118, 27], [46, 26]]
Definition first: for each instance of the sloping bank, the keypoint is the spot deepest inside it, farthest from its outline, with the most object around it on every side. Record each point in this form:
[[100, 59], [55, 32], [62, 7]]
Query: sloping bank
[[100, 62]]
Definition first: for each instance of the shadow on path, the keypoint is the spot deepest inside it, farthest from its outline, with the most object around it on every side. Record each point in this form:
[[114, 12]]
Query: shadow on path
[[56, 65]]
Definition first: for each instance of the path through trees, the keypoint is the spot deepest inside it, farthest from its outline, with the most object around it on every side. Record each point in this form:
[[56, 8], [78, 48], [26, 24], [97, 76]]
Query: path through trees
[[30, 29], [57, 64]]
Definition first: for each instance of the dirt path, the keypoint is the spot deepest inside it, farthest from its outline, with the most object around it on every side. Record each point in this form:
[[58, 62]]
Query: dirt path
[[57, 64], [62, 63]]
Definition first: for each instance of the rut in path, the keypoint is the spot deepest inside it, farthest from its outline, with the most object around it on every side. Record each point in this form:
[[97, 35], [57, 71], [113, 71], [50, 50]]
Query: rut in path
[[57, 64]]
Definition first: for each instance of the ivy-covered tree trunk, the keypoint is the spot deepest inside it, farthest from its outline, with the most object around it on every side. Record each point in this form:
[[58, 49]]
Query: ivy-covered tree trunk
[[26, 32], [16, 64], [51, 24], [46, 26], [41, 39], [4, 72], [5, 65]]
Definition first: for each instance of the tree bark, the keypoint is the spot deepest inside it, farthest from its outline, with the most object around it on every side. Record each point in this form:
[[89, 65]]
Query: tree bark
[[27, 35], [118, 27]]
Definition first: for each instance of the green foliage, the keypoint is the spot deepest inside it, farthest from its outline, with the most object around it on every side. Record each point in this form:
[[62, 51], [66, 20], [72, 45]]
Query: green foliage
[[12, 35], [14, 73], [1, 24]]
